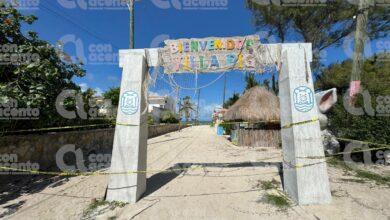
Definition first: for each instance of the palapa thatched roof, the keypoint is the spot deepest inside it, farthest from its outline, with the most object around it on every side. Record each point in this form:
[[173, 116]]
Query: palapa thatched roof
[[256, 105]]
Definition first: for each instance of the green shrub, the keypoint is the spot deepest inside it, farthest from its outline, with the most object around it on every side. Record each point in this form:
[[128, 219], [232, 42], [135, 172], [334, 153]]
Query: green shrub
[[375, 79], [168, 117], [227, 127], [150, 119]]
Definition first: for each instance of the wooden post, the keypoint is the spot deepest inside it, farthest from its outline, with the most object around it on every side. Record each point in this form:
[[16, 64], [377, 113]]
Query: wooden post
[[131, 132], [358, 54], [304, 166]]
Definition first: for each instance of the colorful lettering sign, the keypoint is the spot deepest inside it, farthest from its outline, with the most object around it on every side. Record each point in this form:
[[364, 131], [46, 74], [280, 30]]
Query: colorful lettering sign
[[210, 54]]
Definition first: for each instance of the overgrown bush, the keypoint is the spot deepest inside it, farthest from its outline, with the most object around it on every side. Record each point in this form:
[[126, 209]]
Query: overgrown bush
[[169, 117], [375, 80], [150, 119]]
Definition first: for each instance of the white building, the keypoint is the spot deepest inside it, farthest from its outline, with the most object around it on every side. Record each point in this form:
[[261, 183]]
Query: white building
[[159, 104]]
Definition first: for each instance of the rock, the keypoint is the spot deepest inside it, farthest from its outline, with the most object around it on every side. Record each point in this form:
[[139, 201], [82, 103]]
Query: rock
[[331, 145]]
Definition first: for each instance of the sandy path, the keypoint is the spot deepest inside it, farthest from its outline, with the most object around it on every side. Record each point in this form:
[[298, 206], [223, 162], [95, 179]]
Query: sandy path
[[222, 182]]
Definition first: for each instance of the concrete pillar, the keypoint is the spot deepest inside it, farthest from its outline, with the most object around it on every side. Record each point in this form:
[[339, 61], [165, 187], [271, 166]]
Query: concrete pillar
[[305, 179], [131, 132]]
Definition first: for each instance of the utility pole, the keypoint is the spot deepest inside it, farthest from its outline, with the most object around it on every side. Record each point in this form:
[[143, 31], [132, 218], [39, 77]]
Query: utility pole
[[130, 4], [224, 91], [358, 55], [197, 108]]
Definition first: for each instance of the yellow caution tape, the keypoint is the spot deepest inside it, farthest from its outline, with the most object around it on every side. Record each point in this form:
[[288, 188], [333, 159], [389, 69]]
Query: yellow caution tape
[[125, 124], [192, 167], [384, 146], [59, 128], [299, 123], [70, 127], [364, 142], [32, 172]]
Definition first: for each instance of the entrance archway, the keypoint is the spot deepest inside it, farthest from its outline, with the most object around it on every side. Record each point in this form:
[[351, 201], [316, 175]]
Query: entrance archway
[[304, 167]]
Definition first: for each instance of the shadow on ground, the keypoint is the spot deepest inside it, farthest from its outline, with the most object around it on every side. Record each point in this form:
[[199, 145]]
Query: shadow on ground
[[13, 186], [158, 180]]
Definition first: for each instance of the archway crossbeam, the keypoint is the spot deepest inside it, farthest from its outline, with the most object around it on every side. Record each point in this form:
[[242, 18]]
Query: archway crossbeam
[[272, 53]]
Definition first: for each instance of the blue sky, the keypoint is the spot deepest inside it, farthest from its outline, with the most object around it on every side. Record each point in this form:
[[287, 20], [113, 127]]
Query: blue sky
[[84, 30]]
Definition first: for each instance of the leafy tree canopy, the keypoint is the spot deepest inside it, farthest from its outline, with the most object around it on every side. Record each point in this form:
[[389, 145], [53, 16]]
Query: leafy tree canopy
[[37, 72], [113, 95], [168, 117], [231, 100], [323, 26], [375, 80], [250, 81], [186, 107]]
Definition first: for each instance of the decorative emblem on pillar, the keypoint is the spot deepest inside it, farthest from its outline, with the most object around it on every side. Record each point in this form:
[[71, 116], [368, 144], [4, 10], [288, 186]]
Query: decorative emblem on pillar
[[129, 103], [303, 99]]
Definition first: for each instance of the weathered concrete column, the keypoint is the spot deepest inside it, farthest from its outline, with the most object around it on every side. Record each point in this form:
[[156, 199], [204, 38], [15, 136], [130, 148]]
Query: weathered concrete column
[[304, 167], [131, 132]]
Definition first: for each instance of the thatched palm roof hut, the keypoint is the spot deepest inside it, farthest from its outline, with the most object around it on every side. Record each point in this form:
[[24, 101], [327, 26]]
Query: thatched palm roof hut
[[256, 105], [259, 109]]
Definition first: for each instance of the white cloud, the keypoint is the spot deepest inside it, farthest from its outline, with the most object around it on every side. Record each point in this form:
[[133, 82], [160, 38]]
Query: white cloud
[[206, 110], [153, 94], [112, 78], [99, 91], [83, 86]]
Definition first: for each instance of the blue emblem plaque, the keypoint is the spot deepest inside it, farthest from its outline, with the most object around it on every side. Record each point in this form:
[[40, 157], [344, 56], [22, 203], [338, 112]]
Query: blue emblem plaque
[[303, 99], [129, 103]]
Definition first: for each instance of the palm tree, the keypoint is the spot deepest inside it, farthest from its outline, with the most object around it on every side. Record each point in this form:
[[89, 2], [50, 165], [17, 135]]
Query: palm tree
[[186, 106], [250, 81]]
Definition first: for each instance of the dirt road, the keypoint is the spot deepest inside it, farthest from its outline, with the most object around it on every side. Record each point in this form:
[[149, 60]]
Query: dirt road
[[213, 180]]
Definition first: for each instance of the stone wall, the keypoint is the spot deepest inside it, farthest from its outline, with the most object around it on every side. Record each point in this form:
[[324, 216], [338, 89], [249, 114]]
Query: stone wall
[[157, 130], [42, 148]]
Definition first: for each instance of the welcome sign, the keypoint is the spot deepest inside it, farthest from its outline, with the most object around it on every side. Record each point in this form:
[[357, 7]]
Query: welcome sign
[[210, 54]]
